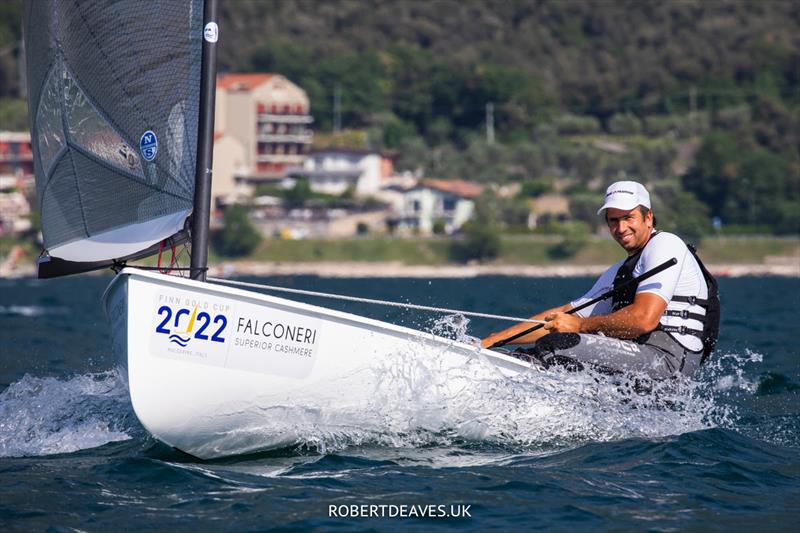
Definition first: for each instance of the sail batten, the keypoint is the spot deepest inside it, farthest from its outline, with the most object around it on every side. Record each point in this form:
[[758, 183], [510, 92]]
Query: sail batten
[[114, 108]]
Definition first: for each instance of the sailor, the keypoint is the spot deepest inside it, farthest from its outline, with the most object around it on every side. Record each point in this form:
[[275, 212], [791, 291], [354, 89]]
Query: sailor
[[664, 326]]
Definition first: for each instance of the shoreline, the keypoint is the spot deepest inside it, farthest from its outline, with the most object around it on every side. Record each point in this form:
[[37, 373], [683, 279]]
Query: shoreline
[[787, 267], [399, 270]]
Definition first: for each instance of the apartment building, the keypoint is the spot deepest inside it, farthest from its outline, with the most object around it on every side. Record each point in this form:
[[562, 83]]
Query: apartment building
[[16, 156], [335, 170], [262, 126], [16, 181]]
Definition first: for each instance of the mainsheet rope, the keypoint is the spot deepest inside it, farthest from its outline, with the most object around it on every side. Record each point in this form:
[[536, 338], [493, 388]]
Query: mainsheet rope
[[372, 301]]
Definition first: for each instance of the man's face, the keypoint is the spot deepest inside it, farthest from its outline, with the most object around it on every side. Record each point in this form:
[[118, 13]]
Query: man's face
[[629, 228]]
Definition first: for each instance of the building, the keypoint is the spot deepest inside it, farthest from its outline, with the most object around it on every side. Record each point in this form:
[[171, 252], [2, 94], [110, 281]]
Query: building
[[16, 181], [548, 207], [319, 221], [16, 156], [450, 203], [15, 210], [262, 127], [335, 170]]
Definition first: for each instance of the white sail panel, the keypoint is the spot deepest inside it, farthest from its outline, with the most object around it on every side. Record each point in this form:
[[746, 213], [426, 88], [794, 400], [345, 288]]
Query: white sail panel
[[121, 242]]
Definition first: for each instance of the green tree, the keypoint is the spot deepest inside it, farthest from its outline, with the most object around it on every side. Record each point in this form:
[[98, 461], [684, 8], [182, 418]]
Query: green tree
[[13, 114], [574, 236], [745, 185], [532, 188], [298, 195], [479, 242], [583, 207], [715, 173], [238, 236], [679, 211]]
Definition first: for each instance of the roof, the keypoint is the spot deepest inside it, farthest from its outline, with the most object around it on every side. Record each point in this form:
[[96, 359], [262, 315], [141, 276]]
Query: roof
[[241, 82], [460, 188]]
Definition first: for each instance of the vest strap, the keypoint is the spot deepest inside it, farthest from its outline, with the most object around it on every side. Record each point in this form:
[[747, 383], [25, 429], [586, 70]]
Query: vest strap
[[691, 300], [682, 330], [685, 314]]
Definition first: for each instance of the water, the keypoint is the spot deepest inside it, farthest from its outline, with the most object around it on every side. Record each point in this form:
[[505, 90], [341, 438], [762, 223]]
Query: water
[[557, 452]]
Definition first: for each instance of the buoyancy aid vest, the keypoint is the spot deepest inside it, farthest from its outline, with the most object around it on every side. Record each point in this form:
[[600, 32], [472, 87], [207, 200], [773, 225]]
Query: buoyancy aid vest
[[710, 320]]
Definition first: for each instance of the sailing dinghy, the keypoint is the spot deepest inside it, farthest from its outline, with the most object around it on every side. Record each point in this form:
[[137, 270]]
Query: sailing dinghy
[[121, 104]]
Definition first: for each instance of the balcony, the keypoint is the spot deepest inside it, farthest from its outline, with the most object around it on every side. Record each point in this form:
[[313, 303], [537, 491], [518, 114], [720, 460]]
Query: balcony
[[284, 119], [280, 158], [300, 138], [21, 158]]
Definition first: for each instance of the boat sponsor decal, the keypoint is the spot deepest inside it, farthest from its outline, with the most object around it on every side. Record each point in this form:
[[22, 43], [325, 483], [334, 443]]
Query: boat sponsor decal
[[148, 145], [233, 334], [274, 341], [190, 327]]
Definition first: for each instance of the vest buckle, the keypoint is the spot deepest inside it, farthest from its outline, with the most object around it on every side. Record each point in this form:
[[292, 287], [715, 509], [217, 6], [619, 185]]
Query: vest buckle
[[685, 314], [692, 300]]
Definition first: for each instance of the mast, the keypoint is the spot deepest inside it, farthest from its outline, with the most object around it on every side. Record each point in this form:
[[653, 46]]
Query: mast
[[205, 143]]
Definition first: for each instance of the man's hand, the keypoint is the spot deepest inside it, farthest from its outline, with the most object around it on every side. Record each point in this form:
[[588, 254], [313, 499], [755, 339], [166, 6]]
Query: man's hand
[[533, 336], [563, 323]]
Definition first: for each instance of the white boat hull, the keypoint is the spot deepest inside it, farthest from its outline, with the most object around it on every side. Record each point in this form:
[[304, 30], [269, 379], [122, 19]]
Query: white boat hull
[[215, 371]]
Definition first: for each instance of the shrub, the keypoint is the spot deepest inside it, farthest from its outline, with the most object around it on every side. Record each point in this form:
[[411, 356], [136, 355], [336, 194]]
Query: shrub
[[238, 237], [625, 124], [569, 124], [575, 235], [480, 242]]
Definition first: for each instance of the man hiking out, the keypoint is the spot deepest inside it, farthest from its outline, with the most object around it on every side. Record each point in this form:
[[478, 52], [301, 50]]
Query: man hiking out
[[665, 325]]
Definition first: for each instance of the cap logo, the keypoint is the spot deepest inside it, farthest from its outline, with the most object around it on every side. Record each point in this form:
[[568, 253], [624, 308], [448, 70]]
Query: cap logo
[[618, 191]]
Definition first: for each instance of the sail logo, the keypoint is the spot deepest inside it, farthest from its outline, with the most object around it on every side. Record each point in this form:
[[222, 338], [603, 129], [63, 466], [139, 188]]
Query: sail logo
[[211, 32], [183, 325], [148, 145]]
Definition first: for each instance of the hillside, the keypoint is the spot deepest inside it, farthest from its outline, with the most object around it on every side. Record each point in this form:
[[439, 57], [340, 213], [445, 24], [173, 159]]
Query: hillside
[[700, 99]]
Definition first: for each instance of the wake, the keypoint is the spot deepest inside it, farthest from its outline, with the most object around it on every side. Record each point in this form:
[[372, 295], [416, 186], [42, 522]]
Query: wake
[[419, 400], [43, 416]]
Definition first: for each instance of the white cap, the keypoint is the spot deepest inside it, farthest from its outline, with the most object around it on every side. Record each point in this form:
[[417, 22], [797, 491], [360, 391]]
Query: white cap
[[625, 195]]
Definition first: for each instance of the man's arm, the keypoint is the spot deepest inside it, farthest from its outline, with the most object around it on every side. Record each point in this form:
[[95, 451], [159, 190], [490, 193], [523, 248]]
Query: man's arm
[[630, 322], [522, 326]]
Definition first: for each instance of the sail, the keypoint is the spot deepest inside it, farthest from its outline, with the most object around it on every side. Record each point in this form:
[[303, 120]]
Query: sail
[[114, 90]]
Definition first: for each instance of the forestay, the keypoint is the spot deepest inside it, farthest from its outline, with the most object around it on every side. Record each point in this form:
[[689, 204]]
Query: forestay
[[114, 92]]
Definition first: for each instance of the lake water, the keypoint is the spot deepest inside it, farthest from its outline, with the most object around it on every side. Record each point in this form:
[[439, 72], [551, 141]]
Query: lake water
[[557, 452]]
